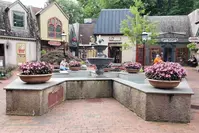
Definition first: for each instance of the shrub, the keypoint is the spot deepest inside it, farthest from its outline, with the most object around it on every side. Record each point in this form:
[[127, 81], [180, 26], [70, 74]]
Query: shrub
[[56, 56], [43, 52], [165, 71], [34, 68], [132, 65]]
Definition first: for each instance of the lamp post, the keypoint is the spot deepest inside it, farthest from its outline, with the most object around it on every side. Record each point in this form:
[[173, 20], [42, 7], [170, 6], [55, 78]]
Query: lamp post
[[63, 35], [144, 39]]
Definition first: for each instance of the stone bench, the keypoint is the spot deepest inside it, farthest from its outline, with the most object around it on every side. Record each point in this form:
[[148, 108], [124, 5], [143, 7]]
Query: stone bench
[[147, 102]]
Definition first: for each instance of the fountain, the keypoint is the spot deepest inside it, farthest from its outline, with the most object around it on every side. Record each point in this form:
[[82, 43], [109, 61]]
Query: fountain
[[101, 60]]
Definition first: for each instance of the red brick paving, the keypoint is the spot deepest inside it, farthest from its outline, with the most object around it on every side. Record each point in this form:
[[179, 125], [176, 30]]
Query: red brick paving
[[92, 116], [193, 80]]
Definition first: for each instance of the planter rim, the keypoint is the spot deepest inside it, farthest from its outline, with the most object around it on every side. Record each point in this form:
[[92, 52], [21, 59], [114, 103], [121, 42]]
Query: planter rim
[[38, 75], [174, 81]]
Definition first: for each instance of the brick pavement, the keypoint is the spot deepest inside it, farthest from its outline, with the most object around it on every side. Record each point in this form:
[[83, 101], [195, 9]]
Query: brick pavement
[[193, 80], [90, 116]]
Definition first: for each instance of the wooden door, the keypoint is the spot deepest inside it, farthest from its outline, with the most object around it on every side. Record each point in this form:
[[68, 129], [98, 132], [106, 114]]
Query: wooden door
[[181, 55]]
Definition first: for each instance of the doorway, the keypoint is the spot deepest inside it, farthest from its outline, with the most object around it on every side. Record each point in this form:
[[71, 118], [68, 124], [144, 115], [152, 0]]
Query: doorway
[[2, 55], [116, 54], [168, 54]]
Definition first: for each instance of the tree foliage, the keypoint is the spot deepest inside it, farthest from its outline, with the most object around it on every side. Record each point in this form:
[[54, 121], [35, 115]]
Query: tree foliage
[[133, 26], [71, 8], [92, 8]]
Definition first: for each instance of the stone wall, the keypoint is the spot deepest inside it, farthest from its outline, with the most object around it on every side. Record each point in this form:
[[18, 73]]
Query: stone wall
[[154, 107], [172, 108], [131, 98], [88, 89]]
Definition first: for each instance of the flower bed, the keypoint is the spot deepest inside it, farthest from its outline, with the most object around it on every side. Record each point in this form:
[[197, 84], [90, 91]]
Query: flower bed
[[165, 71], [6, 72], [74, 64], [36, 72], [132, 65], [36, 68], [165, 75]]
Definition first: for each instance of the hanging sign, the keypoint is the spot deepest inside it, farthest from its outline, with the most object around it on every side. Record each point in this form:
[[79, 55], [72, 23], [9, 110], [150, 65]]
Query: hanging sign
[[193, 39], [54, 43]]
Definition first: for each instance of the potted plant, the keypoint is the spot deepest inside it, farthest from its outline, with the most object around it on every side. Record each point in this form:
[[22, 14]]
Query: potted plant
[[166, 75], [132, 67], [74, 65], [35, 72]]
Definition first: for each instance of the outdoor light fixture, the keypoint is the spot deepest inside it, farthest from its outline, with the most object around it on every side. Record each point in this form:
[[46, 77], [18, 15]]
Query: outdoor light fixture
[[144, 36], [7, 45], [63, 35]]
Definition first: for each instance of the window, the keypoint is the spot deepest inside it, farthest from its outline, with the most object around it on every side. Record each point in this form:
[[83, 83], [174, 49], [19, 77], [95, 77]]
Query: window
[[18, 19], [54, 28]]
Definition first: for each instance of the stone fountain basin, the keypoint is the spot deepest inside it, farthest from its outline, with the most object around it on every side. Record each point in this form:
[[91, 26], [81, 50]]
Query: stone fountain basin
[[100, 60], [131, 90]]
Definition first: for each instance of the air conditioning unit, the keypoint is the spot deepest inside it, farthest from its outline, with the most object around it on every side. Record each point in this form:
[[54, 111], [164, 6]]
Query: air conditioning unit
[[88, 21]]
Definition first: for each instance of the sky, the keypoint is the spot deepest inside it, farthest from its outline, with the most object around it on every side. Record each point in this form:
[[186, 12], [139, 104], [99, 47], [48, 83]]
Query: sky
[[37, 3]]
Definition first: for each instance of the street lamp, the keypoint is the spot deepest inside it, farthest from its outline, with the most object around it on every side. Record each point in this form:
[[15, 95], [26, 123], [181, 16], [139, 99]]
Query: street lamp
[[144, 39], [63, 35]]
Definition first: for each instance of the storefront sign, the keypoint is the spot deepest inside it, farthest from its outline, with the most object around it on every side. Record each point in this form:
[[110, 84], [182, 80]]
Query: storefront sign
[[54, 43], [169, 39], [112, 38], [21, 52], [193, 39]]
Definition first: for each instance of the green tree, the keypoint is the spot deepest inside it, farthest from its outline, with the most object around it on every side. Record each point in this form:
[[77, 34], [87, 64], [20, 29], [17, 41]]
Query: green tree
[[133, 26], [71, 8]]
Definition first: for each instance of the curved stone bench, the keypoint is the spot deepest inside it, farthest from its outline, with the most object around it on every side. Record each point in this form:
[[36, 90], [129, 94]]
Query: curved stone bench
[[147, 102]]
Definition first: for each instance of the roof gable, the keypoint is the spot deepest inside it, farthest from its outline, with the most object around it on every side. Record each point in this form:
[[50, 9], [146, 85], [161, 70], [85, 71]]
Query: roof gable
[[109, 21], [173, 25], [46, 8], [17, 2]]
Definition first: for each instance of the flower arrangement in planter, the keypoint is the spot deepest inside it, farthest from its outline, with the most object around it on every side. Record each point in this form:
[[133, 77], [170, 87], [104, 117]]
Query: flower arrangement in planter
[[35, 72], [74, 65], [165, 75], [132, 67]]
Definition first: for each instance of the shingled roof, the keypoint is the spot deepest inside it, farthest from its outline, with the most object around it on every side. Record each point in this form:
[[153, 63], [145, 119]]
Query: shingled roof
[[5, 27], [172, 26], [109, 21]]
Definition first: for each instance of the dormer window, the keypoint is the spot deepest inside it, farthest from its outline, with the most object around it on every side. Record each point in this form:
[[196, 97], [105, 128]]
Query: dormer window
[[54, 28], [18, 19]]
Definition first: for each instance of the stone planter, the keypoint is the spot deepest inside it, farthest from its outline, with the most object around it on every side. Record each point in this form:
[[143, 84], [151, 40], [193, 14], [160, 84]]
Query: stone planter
[[75, 68], [35, 79], [163, 84], [131, 70]]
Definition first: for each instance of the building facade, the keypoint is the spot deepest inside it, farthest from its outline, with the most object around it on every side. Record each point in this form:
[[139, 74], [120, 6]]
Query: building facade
[[108, 27], [172, 41], [17, 38], [52, 23]]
